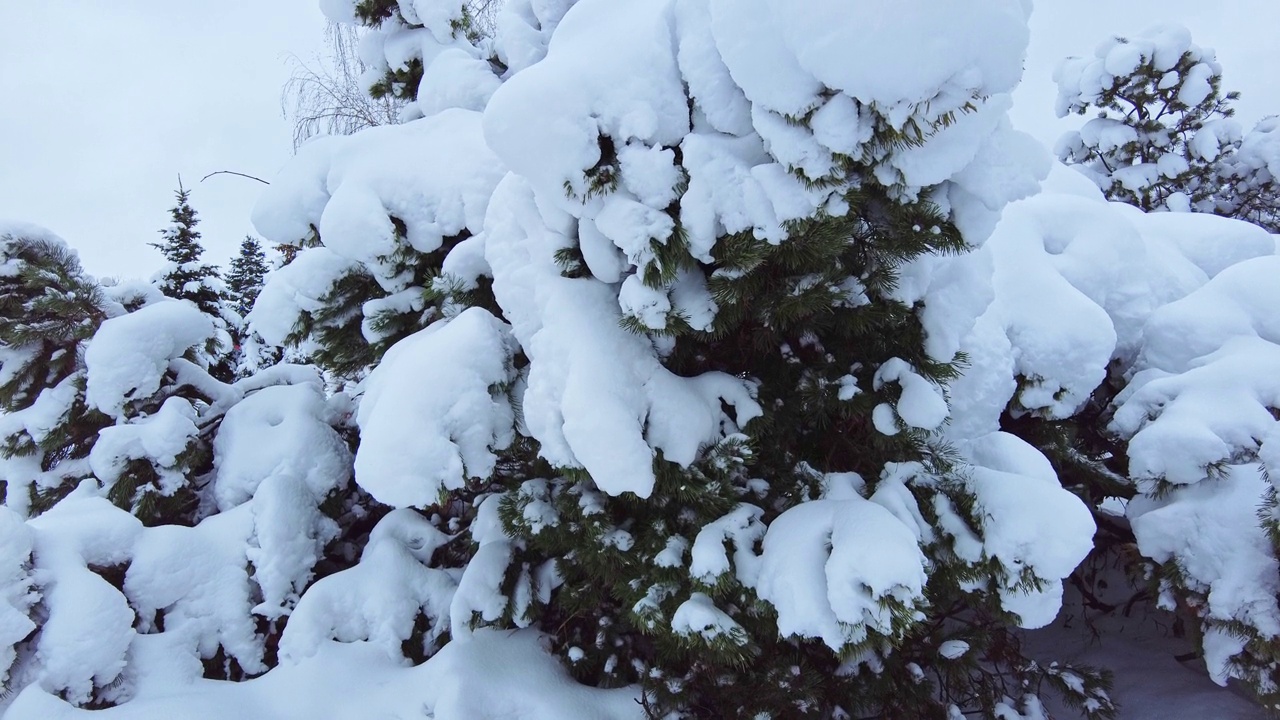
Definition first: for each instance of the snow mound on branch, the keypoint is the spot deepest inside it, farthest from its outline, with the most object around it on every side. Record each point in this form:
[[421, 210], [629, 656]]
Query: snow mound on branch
[[195, 579], [1210, 243], [830, 567], [1181, 426], [281, 430], [1077, 282], [18, 229], [16, 592], [129, 354], [379, 599], [1207, 379], [89, 626], [978, 48], [921, 404], [296, 288], [1030, 523], [160, 437], [1211, 532], [435, 410], [699, 616], [1239, 302], [534, 685], [597, 395], [371, 193], [545, 122]]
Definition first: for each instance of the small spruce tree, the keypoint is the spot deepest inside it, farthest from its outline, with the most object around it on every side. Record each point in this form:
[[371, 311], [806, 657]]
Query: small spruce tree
[[244, 281], [187, 277]]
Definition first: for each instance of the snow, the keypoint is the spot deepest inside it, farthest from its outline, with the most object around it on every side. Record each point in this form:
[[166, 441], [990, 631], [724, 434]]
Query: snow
[[195, 579], [89, 625], [278, 431], [592, 384], [356, 680], [129, 354], [160, 438], [544, 122], [350, 188], [921, 404], [296, 288], [16, 592], [709, 560], [624, 128], [699, 616], [980, 50], [831, 568], [376, 601], [435, 410], [953, 649]]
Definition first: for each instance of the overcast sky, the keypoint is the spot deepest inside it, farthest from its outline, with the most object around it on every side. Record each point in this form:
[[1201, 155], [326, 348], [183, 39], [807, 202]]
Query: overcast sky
[[103, 103]]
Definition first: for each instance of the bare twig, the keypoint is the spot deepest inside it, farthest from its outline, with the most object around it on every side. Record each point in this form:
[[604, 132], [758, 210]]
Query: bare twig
[[232, 172]]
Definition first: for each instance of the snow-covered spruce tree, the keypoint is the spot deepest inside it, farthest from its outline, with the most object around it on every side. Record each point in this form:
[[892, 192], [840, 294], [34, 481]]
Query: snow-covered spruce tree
[[688, 355], [1162, 120], [244, 281], [1249, 178], [49, 309], [1138, 351], [171, 521], [186, 276], [1162, 137]]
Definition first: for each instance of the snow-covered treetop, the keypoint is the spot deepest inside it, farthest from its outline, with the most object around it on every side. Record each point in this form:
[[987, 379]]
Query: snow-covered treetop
[[1162, 119]]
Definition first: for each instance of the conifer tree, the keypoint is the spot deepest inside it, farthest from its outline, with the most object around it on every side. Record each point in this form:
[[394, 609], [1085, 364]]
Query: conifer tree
[[187, 277], [1162, 136], [244, 281], [49, 309], [658, 583], [1161, 120], [1249, 178]]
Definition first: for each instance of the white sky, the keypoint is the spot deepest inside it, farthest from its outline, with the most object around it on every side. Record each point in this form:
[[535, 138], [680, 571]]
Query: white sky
[[103, 103]]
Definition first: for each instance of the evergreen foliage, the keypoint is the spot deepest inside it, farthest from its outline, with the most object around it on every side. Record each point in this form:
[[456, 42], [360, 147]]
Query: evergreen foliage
[[49, 308], [244, 280], [686, 410], [1162, 135], [809, 322], [188, 277]]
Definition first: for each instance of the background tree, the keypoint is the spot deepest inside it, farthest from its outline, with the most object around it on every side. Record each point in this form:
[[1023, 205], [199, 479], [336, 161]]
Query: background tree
[[244, 279], [327, 95], [1162, 136], [1249, 178], [244, 282], [186, 276], [1160, 124]]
